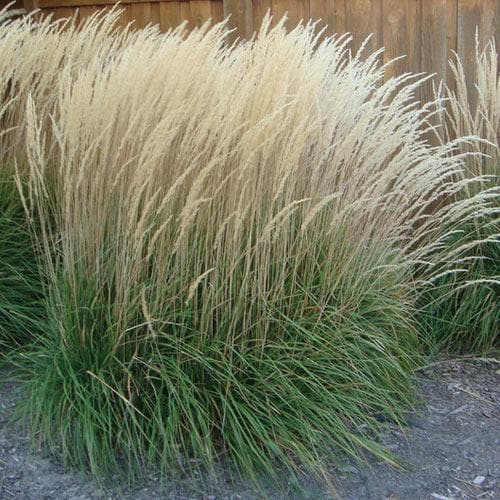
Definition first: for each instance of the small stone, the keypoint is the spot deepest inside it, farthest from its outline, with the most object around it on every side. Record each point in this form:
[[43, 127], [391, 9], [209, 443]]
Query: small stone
[[349, 469], [479, 480], [391, 496]]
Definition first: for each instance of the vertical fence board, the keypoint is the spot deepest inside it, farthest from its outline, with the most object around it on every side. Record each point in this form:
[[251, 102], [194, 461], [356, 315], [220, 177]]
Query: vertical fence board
[[241, 12], [434, 53], [126, 16], [364, 18], [497, 24], [288, 7], [140, 13], [217, 11], [451, 38], [336, 16], [304, 10], [452, 25], [201, 11], [170, 15], [318, 10], [185, 11], [402, 35], [155, 13], [260, 9], [469, 14]]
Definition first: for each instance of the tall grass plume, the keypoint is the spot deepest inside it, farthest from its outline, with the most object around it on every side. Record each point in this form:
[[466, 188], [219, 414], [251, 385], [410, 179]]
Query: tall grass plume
[[461, 312]]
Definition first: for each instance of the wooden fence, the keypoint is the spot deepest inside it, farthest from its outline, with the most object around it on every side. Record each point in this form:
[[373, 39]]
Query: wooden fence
[[426, 31]]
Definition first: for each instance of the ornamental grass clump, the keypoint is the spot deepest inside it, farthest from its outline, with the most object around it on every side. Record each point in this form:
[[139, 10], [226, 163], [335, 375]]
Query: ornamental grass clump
[[461, 311], [229, 236]]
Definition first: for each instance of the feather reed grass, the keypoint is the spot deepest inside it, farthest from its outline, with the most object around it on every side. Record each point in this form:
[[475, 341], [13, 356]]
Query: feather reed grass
[[229, 235], [461, 313]]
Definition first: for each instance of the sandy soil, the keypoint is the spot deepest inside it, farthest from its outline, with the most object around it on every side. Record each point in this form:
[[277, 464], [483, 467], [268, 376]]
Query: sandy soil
[[452, 444]]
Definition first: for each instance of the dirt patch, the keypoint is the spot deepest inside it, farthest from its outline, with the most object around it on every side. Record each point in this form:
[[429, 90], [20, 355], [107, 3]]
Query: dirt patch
[[452, 444]]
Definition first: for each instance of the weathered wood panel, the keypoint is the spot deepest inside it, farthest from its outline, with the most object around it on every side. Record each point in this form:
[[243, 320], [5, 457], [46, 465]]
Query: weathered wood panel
[[303, 10], [435, 28], [241, 12], [170, 15], [365, 18], [402, 34], [336, 17], [259, 11], [165, 13]]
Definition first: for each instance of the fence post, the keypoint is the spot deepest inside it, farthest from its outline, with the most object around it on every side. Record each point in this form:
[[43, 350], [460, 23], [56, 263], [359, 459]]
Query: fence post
[[241, 17]]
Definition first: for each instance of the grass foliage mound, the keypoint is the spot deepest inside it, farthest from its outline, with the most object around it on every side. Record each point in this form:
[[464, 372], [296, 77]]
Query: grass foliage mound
[[461, 311], [21, 309], [229, 236]]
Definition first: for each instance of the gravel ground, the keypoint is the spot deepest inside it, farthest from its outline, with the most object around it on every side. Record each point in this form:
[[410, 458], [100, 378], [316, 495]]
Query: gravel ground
[[452, 444]]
